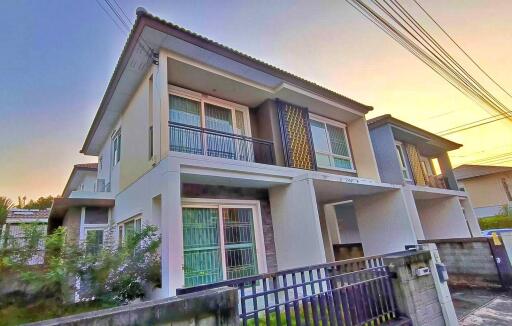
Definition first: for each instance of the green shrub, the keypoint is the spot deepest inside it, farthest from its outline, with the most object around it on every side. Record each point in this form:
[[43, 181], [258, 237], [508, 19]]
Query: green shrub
[[102, 277], [495, 222]]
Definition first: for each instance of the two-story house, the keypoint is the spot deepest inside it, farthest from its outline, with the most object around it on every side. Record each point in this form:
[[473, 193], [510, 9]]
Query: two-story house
[[240, 164], [410, 156]]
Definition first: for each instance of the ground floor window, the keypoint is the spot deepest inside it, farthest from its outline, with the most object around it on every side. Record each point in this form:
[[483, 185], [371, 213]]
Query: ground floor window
[[219, 242], [94, 238], [127, 228]]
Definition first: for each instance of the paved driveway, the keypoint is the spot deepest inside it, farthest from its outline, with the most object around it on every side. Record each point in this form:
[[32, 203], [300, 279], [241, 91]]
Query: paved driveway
[[483, 307]]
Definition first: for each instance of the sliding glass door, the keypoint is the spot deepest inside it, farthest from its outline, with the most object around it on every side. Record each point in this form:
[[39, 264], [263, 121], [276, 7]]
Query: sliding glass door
[[218, 248], [226, 124]]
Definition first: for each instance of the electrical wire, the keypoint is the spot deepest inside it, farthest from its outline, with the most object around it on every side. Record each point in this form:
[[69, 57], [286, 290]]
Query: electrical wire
[[461, 49], [425, 47]]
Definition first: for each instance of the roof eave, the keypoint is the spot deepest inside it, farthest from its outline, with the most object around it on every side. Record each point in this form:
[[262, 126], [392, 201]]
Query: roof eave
[[145, 19]]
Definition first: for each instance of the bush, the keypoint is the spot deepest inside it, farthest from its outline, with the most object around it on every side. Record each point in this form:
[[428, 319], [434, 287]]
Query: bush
[[107, 276], [495, 222]]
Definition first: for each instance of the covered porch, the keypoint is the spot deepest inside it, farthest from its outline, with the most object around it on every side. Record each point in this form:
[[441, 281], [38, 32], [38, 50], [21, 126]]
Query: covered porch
[[441, 213]]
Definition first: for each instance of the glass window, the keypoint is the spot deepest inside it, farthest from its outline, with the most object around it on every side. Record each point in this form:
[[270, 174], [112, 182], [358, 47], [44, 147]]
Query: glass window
[[331, 145], [93, 240], [210, 114], [116, 144], [129, 228], [219, 243], [401, 159]]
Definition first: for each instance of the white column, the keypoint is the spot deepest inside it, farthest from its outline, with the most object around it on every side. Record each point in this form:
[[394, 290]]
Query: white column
[[297, 231], [471, 218], [161, 111], [384, 223], [172, 234], [413, 214], [332, 223]]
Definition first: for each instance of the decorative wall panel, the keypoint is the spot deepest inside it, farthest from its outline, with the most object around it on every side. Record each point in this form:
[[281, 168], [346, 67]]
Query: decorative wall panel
[[414, 160], [296, 135]]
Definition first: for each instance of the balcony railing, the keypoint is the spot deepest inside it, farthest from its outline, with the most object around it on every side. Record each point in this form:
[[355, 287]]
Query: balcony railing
[[437, 181], [202, 141]]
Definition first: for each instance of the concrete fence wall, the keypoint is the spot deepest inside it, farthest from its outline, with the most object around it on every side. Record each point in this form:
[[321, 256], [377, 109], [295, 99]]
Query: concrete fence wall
[[211, 307], [469, 262]]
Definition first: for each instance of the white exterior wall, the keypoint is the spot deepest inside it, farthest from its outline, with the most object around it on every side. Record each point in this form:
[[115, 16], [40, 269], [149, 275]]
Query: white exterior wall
[[471, 217], [298, 235], [442, 218], [413, 213], [384, 224], [347, 224]]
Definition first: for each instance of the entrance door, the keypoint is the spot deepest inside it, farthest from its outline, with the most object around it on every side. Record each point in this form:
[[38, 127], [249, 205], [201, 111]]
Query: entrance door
[[218, 248]]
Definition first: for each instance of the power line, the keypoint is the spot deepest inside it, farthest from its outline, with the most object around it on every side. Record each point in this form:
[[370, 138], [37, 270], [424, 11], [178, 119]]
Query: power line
[[493, 158], [474, 124], [423, 45], [462, 50]]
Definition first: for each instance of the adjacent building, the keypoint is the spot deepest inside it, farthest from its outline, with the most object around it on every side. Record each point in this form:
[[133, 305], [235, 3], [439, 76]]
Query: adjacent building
[[245, 168], [489, 187], [14, 235]]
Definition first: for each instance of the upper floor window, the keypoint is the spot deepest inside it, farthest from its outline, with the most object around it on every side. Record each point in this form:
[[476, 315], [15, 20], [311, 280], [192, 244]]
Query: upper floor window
[[400, 152], [116, 147], [331, 144]]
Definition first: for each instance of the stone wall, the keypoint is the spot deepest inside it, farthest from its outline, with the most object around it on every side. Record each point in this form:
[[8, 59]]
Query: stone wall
[[210, 307], [416, 296], [469, 262]]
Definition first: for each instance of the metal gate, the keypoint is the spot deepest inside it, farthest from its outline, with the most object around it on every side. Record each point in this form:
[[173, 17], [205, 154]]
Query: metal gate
[[351, 292]]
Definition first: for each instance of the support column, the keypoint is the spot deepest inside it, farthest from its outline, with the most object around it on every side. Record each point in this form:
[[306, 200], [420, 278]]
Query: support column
[[413, 214], [384, 223], [296, 225], [447, 170], [161, 111], [172, 234], [471, 218]]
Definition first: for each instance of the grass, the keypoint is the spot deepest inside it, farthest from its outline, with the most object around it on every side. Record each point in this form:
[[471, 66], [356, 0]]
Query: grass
[[15, 314], [495, 222]]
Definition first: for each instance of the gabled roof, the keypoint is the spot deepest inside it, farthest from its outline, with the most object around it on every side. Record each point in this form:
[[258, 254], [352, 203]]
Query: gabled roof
[[146, 20], [22, 213], [76, 168], [467, 171], [427, 135]]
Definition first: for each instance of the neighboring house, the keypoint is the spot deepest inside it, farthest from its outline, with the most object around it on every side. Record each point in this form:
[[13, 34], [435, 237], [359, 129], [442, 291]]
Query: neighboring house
[[489, 187], [12, 230], [405, 156], [241, 165], [84, 206]]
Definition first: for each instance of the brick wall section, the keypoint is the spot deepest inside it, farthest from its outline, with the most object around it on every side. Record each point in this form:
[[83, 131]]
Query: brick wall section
[[222, 192], [469, 262], [416, 296]]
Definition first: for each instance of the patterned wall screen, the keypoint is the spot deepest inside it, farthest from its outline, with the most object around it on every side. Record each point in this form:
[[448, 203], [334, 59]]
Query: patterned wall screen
[[296, 134], [414, 159]]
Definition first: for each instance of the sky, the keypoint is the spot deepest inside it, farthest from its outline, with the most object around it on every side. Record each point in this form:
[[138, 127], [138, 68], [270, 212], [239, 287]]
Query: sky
[[58, 56]]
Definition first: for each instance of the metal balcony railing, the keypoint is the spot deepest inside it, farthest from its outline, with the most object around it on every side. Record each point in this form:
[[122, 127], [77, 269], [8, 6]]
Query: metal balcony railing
[[202, 141]]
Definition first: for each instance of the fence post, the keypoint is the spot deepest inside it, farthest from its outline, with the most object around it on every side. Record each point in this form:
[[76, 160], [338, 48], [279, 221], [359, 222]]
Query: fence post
[[415, 288]]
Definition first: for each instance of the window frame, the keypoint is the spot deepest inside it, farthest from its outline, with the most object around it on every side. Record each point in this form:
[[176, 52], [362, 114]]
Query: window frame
[[121, 227], [330, 154], [94, 228], [402, 159], [207, 99], [116, 155], [219, 204]]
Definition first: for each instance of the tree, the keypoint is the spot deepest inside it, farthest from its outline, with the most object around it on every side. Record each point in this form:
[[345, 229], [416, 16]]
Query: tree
[[5, 205], [40, 203]]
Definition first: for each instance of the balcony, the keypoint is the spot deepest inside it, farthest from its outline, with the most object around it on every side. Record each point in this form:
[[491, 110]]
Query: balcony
[[208, 142], [437, 181]]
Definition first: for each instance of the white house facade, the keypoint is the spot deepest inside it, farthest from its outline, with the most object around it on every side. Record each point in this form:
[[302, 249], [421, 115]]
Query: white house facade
[[240, 165]]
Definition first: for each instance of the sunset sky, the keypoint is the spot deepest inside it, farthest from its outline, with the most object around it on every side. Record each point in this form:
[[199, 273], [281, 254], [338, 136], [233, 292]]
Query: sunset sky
[[58, 56]]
